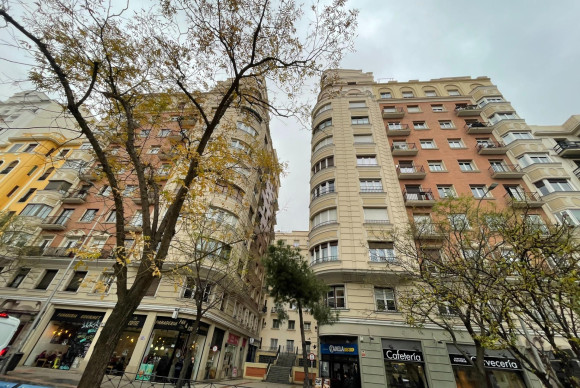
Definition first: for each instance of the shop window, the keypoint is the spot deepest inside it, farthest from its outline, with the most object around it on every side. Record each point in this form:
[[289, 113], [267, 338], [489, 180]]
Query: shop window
[[20, 275], [76, 281], [49, 275]]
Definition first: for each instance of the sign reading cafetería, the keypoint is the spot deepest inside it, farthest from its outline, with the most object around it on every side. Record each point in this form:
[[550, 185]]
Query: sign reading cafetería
[[403, 355]]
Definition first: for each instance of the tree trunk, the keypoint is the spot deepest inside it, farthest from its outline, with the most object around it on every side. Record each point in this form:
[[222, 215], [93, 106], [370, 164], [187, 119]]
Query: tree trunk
[[306, 383], [107, 342], [482, 380]]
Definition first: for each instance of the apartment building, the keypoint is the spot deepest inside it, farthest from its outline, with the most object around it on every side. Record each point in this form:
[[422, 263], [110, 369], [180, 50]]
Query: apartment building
[[382, 155], [238, 224]]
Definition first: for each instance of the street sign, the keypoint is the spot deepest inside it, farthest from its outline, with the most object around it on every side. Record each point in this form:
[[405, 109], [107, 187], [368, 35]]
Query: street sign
[[311, 356]]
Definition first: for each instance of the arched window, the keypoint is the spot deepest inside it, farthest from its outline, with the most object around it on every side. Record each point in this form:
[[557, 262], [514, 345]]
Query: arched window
[[10, 167], [46, 174]]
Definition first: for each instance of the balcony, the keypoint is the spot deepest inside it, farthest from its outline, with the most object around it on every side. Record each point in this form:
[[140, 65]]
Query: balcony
[[523, 199], [479, 128], [55, 223], [175, 135], [568, 149], [411, 172], [137, 199], [577, 172], [58, 252], [398, 130], [88, 175], [406, 149], [326, 259], [505, 171], [467, 110], [491, 148], [427, 231], [77, 196], [393, 113], [167, 154], [419, 198]]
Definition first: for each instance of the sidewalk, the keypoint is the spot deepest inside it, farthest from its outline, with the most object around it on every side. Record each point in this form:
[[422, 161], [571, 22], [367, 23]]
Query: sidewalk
[[44, 377]]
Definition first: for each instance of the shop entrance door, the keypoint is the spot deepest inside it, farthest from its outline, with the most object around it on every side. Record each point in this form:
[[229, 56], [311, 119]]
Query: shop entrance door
[[344, 372]]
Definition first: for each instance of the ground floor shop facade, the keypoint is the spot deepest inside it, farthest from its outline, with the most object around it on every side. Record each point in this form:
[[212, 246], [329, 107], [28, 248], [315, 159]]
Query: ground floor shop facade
[[152, 346], [363, 354]]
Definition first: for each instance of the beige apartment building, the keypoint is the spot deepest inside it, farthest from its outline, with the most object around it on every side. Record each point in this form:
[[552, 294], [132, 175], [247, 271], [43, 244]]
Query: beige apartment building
[[79, 297], [383, 154]]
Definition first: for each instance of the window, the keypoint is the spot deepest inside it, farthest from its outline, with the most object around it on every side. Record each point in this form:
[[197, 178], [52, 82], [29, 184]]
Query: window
[[513, 136], [49, 275], [89, 215], [480, 191], [9, 168], [322, 125], [446, 309], [104, 283], [105, 191], [371, 186], [129, 191], [13, 191], [144, 132], [419, 125], [29, 148], [327, 251], [455, 143], [291, 325], [516, 192], [164, 132], [487, 100], [569, 216], [190, 287], [446, 124], [365, 139], [86, 146], [395, 125], [240, 146], [376, 215], [498, 166], [63, 153], [466, 165], [46, 174], [324, 217], [413, 109], [430, 93], [484, 143], [222, 216], [357, 104], [547, 186], [446, 191], [76, 281], [137, 220], [290, 346], [154, 150], [497, 117], [213, 248], [366, 160], [453, 92], [536, 223], [408, 94], [436, 166], [423, 224], [359, 120], [26, 196], [36, 210], [15, 147], [307, 326], [391, 109], [75, 164], [437, 108], [381, 252], [427, 144], [335, 298], [323, 108], [61, 186], [385, 299], [322, 164], [323, 188], [386, 95], [275, 324], [322, 143], [19, 277], [34, 168], [458, 221], [528, 159], [273, 343]]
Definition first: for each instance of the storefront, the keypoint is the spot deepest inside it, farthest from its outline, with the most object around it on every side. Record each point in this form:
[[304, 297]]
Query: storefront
[[340, 361], [502, 371], [211, 365], [167, 345], [404, 364], [230, 356], [126, 345], [66, 339]]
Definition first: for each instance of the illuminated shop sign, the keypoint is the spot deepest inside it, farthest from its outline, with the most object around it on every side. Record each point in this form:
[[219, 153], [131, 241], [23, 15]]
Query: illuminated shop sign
[[403, 355], [488, 362], [77, 316], [346, 349]]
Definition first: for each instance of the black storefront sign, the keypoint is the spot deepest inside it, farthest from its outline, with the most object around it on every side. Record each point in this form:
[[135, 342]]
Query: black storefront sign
[[76, 316], [180, 324], [400, 355], [137, 321], [503, 363]]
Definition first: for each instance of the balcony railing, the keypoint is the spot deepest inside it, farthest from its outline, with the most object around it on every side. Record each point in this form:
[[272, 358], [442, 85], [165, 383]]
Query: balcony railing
[[568, 149], [325, 259], [479, 127], [411, 172], [404, 149], [58, 252], [55, 222], [491, 148], [372, 190], [505, 171], [419, 198], [524, 199], [323, 192], [393, 113], [467, 110], [77, 196], [398, 130]]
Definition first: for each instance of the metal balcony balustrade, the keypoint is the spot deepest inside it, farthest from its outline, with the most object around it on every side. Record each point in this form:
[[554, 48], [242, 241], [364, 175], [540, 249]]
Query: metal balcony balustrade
[[505, 171], [76, 196], [393, 113], [411, 172], [568, 149], [398, 130], [325, 259], [524, 199], [491, 148], [479, 127], [402, 149], [424, 197], [55, 222], [322, 192], [467, 110]]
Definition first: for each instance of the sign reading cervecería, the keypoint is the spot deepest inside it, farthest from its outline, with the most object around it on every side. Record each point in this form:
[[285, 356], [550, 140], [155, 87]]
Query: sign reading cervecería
[[488, 362]]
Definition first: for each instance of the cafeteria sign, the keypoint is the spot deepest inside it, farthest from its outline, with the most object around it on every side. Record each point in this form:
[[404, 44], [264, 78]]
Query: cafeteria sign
[[345, 349]]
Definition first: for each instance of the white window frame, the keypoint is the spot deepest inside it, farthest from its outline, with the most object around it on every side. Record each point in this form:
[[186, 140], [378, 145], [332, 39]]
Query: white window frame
[[366, 160], [430, 93], [323, 143], [359, 120], [413, 109], [357, 104], [446, 124], [363, 139], [437, 108], [480, 191], [420, 125], [538, 158], [436, 166], [466, 165], [324, 217], [322, 109], [380, 252], [323, 188], [377, 215], [428, 144], [385, 299], [446, 191], [408, 94], [371, 186], [386, 95], [517, 135], [455, 143]]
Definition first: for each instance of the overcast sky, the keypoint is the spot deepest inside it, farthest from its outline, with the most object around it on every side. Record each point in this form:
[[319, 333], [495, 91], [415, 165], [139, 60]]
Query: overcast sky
[[530, 49]]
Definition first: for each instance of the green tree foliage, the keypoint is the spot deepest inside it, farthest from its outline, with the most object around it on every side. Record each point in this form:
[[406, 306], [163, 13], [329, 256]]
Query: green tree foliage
[[494, 275], [290, 280]]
